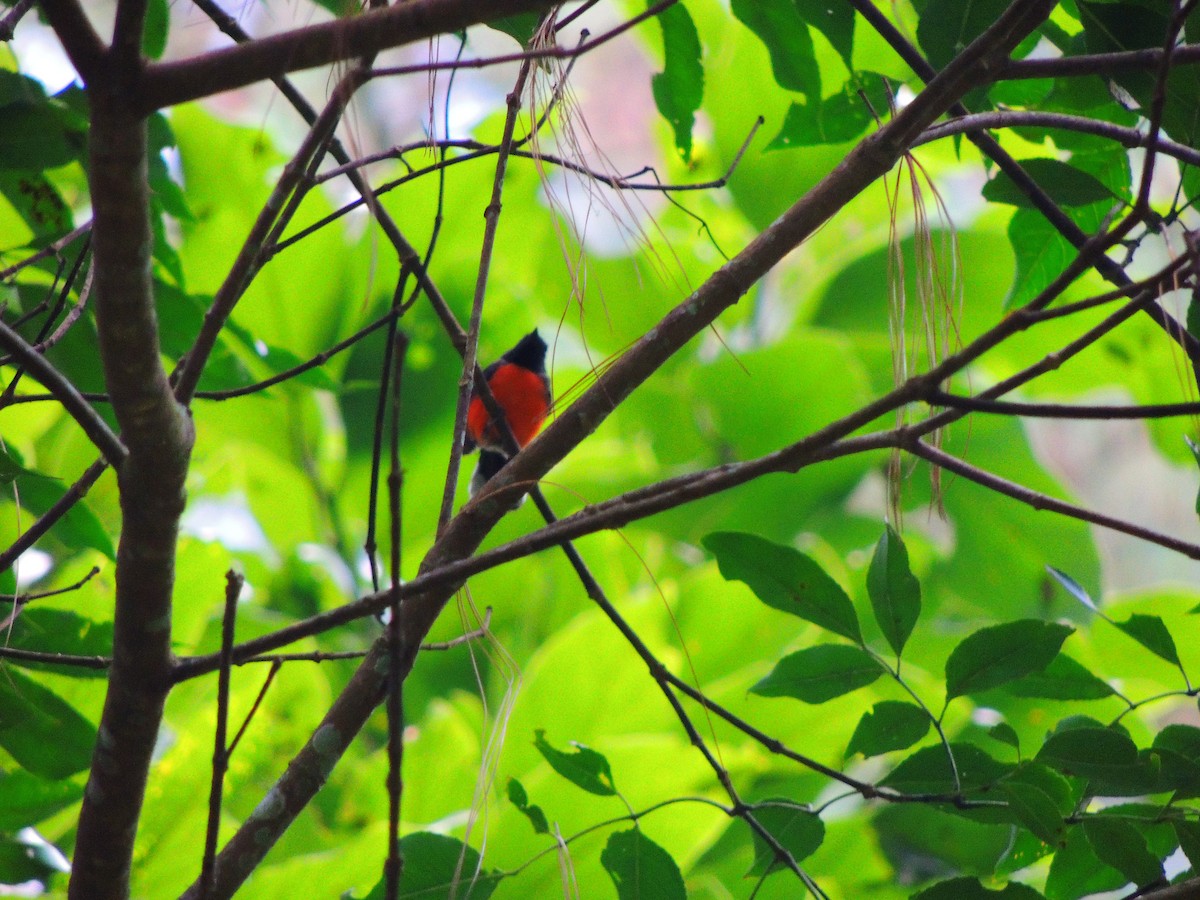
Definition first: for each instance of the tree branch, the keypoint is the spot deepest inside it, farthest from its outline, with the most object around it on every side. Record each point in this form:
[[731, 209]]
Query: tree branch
[[84, 47], [158, 434], [166, 84]]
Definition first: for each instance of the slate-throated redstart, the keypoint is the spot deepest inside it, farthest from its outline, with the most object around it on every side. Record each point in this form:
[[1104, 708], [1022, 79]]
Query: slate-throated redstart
[[519, 383]]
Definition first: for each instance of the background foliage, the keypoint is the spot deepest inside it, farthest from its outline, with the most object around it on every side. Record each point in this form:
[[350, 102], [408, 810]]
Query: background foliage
[[914, 683]]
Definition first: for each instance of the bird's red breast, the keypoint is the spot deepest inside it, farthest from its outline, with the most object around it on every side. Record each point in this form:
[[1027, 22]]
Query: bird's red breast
[[522, 394]]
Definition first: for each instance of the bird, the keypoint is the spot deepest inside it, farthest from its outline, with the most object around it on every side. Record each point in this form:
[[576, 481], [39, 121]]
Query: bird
[[521, 387]]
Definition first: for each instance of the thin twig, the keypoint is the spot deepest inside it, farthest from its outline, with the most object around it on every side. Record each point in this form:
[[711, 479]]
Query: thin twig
[[394, 863], [220, 759]]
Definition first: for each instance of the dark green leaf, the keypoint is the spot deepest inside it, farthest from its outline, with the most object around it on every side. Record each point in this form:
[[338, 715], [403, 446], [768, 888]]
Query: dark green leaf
[[1049, 782], [928, 770], [778, 24], [1002, 653], [817, 674], [583, 767], [1119, 844], [1034, 809], [838, 118], [785, 579], [1089, 752], [439, 867], [890, 725], [798, 831], [61, 631], [25, 859], [1192, 445], [18, 88], [33, 137], [895, 592], [1075, 870], [1063, 679], [679, 88], [158, 21], [640, 869], [1065, 184], [1005, 734], [41, 731], [948, 26], [922, 842], [519, 799], [965, 888], [1151, 633], [1187, 832], [26, 799]]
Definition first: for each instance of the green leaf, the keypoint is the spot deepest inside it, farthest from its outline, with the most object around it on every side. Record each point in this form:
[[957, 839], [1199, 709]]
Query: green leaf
[[785, 579], [920, 841], [797, 830], [928, 770], [439, 867], [679, 88], [1119, 844], [41, 731], [519, 27], [158, 21], [1074, 588], [1187, 832], [835, 21], [838, 118], [37, 201], [61, 631], [948, 26], [1089, 752], [1001, 653], [778, 24], [1075, 870], [1034, 809], [966, 888], [1005, 734], [583, 767], [1065, 184], [889, 725], [1151, 632], [1041, 254], [1063, 679], [1192, 445], [26, 799], [640, 869], [79, 528], [519, 799], [33, 137], [895, 592], [25, 859], [820, 673]]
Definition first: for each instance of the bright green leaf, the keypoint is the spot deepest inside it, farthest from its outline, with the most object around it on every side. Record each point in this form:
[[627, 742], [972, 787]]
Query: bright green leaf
[[778, 24], [41, 731], [439, 867]]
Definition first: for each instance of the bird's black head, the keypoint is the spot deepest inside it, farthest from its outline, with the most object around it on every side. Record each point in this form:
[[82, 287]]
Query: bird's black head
[[530, 352]]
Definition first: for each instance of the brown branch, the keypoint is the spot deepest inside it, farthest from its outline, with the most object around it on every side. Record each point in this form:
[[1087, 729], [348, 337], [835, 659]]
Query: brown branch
[[158, 434], [1097, 63], [65, 392], [50, 517], [169, 83], [75, 32], [9, 22], [220, 763]]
